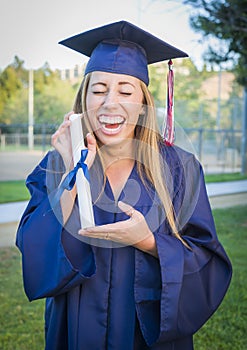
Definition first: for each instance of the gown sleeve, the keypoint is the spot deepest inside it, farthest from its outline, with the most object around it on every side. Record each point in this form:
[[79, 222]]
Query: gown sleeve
[[177, 293], [53, 261]]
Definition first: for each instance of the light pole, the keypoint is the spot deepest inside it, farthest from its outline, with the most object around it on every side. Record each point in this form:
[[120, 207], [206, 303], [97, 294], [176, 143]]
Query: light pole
[[30, 110], [244, 136], [218, 121]]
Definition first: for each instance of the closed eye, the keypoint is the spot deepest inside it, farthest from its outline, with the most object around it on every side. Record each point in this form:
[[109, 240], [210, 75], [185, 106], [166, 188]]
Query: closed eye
[[98, 92], [126, 93]]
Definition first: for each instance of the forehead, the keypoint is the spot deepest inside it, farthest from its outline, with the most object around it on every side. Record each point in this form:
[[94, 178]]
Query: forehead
[[109, 78]]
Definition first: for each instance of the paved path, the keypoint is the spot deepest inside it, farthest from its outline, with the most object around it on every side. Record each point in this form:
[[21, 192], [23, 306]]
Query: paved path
[[221, 195], [226, 188], [17, 165], [227, 194]]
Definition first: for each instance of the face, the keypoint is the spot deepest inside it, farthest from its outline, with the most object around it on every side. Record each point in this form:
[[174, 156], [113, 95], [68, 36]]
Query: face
[[114, 103]]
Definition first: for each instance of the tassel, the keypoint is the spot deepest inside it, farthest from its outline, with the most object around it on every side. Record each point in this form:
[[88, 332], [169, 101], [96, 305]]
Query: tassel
[[169, 133]]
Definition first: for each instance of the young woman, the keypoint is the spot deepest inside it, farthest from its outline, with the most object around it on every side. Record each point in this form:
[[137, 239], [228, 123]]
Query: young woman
[[151, 271]]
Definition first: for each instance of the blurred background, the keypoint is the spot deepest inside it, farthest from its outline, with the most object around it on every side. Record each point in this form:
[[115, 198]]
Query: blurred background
[[38, 83]]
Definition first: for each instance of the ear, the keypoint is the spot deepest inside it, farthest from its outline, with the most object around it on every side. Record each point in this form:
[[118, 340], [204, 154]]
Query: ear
[[142, 111]]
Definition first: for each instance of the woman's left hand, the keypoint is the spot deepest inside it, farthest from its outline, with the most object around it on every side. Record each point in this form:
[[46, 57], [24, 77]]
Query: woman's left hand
[[133, 231]]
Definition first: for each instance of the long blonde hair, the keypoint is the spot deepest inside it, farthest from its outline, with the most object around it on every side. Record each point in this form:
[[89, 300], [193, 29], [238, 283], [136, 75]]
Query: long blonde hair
[[149, 164]]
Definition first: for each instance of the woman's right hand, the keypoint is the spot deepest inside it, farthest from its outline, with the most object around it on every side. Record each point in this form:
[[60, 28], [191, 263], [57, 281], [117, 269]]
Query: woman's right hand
[[91, 146], [61, 141]]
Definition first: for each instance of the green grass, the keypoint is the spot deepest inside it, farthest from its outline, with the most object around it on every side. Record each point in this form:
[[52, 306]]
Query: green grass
[[22, 322], [18, 148], [224, 177], [226, 330], [13, 191]]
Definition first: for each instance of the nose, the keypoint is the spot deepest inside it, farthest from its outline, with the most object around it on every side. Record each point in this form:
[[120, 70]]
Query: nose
[[111, 99]]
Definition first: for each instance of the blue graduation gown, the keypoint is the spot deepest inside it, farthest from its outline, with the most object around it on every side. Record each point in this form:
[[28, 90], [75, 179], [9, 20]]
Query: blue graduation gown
[[118, 298]]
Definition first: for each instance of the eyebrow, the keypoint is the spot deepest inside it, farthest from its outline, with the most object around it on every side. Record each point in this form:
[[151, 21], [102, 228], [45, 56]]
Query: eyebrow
[[120, 83], [126, 83], [98, 83]]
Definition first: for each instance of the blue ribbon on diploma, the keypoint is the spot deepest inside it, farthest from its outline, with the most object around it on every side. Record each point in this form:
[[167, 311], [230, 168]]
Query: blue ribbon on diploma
[[69, 181]]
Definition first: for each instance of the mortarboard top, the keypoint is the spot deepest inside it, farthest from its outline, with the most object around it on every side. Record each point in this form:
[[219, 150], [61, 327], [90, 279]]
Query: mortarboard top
[[123, 48]]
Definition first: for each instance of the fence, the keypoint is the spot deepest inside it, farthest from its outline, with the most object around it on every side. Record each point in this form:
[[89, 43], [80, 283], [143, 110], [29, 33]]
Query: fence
[[218, 150], [15, 136]]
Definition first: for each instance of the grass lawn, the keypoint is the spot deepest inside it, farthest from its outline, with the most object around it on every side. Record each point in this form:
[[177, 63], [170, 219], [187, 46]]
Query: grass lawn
[[226, 330], [224, 177], [13, 191], [22, 322]]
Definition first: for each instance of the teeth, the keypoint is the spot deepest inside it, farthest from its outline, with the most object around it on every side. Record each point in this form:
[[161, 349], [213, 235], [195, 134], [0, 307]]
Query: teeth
[[104, 119], [113, 131]]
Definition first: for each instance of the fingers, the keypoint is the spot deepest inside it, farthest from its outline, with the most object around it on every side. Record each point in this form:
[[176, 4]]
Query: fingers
[[62, 128], [91, 145], [103, 232], [91, 142], [60, 132], [66, 117], [100, 230], [126, 231], [61, 141], [126, 208]]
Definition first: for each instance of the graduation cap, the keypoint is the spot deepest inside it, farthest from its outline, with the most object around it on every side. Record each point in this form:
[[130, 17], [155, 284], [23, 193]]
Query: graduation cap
[[124, 48]]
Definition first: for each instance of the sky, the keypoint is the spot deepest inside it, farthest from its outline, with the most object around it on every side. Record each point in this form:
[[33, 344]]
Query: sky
[[31, 29]]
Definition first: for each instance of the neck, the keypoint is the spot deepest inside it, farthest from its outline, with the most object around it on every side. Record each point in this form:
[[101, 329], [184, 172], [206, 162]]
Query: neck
[[117, 154]]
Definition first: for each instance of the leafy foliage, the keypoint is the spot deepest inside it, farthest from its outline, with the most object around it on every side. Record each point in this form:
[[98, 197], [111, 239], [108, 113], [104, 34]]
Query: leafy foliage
[[225, 20], [10, 82], [53, 97], [188, 94]]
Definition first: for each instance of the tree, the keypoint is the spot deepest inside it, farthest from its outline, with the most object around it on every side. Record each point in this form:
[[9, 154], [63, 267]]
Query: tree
[[9, 85], [225, 21], [52, 96], [12, 79], [43, 77], [55, 100]]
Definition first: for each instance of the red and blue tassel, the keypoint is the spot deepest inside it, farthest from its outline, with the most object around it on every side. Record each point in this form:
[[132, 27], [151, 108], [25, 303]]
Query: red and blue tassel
[[169, 133]]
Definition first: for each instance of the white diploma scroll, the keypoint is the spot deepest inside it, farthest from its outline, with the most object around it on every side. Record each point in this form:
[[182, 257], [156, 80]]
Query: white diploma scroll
[[82, 184]]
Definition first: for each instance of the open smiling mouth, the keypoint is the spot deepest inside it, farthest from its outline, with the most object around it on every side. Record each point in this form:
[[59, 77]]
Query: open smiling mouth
[[110, 124]]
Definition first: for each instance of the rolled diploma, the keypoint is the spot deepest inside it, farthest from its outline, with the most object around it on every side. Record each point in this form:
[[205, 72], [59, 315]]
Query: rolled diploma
[[82, 184]]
